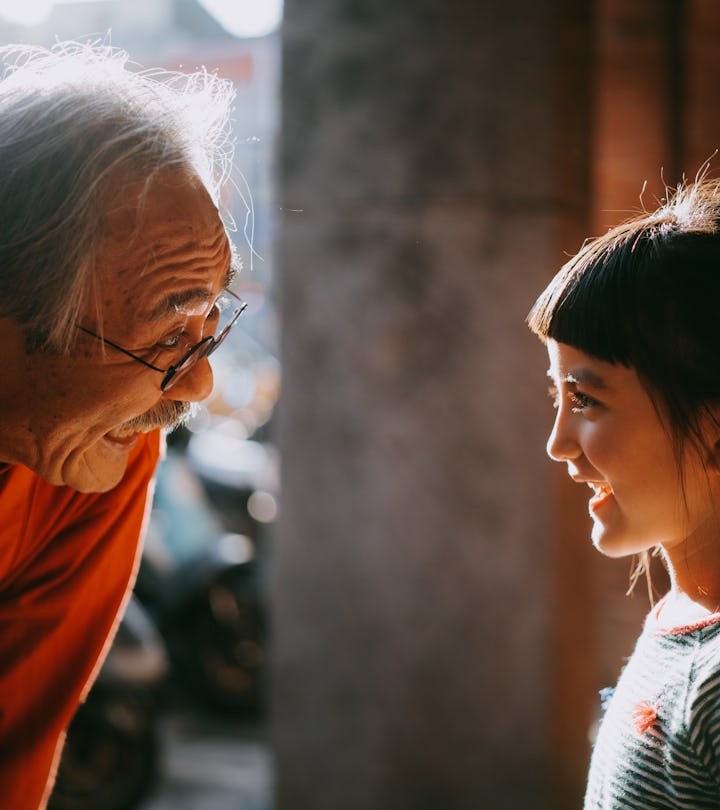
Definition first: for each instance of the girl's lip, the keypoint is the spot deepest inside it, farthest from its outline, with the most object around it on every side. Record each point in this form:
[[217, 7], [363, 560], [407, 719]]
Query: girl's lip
[[603, 492]]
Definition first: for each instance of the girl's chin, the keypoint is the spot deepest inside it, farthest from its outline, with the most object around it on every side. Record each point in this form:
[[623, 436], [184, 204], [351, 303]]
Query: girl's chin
[[617, 547]]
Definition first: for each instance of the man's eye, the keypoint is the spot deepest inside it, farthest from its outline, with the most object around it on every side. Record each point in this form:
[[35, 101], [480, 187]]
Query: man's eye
[[224, 303], [170, 342]]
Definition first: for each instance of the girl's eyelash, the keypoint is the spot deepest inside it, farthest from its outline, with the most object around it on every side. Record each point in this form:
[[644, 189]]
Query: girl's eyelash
[[579, 401]]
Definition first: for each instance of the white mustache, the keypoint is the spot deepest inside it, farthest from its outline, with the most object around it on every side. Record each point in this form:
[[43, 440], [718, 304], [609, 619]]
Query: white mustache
[[167, 414]]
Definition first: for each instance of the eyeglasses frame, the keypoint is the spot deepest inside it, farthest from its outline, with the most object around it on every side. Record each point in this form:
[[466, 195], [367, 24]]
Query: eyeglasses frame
[[204, 347]]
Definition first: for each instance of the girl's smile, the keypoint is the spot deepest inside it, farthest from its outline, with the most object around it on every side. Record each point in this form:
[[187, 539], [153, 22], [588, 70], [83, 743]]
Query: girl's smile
[[603, 493], [610, 434], [638, 424]]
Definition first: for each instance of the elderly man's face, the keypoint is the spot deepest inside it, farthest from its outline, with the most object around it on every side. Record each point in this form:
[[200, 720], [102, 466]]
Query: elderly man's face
[[160, 276]]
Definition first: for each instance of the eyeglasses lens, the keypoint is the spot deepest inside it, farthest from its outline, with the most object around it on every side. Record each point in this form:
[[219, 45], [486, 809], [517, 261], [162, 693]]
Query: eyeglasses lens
[[227, 319]]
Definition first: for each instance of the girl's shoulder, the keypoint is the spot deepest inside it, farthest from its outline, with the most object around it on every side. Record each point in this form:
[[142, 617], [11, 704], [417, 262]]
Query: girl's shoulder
[[685, 642], [679, 617]]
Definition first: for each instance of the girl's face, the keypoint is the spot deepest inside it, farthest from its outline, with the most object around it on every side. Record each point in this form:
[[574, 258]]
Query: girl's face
[[611, 437]]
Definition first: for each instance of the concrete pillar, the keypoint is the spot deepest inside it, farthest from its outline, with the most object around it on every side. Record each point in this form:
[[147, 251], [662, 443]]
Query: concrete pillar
[[434, 167], [701, 107], [637, 108]]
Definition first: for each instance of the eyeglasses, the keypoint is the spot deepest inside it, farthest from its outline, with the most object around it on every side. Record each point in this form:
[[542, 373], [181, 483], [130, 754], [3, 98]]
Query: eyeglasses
[[195, 353]]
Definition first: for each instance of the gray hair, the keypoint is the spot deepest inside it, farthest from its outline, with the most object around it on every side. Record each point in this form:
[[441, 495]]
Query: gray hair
[[75, 119]]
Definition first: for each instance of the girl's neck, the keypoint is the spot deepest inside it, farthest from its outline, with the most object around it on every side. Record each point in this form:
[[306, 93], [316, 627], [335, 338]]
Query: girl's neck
[[694, 569], [679, 610]]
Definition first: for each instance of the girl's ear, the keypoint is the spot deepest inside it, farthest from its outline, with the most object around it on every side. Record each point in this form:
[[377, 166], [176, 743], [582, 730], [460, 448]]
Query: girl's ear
[[713, 441], [713, 461]]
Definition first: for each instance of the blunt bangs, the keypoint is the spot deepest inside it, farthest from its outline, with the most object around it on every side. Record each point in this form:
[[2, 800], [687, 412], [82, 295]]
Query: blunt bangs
[[592, 303], [644, 297]]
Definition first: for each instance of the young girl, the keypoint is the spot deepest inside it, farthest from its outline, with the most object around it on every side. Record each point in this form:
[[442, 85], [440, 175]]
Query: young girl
[[632, 329]]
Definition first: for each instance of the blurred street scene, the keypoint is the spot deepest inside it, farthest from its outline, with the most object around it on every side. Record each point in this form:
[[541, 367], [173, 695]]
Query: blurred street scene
[[210, 764], [177, 716]]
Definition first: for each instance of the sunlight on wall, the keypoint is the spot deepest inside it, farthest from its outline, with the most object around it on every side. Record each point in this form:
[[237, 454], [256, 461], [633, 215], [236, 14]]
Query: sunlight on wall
[[246, 18], [28, 12], [241, 18]]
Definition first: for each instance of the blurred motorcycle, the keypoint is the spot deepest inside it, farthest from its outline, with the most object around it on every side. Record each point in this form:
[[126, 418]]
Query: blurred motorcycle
[[195, 620], [201, 585], [111, 755]]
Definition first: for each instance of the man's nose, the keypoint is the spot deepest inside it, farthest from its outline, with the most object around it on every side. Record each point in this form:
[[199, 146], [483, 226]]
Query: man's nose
[[562, 443], [195, 385]]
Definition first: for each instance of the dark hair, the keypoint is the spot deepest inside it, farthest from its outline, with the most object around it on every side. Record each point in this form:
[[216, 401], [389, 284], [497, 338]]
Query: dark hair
[[76, 127], [647, 295]]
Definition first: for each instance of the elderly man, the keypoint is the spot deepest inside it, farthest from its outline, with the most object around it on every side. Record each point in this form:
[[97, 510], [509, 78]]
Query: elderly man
[[114, 269]]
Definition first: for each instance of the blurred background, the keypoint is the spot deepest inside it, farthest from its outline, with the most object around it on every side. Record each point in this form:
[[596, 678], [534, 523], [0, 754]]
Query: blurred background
[[406, 613], [178, 717]]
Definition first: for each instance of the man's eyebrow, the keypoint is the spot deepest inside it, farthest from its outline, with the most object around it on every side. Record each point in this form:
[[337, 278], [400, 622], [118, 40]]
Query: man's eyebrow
[[177, 300]]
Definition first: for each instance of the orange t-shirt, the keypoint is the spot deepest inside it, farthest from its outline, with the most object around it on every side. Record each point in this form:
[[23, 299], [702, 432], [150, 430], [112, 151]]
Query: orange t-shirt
[[67, 563]]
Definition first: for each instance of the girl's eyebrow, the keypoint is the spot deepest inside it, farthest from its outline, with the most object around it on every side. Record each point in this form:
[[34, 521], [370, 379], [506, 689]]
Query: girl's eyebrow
[[585, 377]]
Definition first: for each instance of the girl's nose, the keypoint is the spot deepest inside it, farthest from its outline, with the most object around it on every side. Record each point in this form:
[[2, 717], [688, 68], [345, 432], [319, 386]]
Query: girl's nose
[[562, 443]]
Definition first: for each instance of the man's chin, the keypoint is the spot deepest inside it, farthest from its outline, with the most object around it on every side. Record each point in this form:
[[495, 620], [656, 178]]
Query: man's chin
[[93, 483], [99, 469]]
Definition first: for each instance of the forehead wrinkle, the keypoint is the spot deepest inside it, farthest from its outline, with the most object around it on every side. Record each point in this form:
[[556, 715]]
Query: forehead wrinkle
[[162, 253], [189, 297]]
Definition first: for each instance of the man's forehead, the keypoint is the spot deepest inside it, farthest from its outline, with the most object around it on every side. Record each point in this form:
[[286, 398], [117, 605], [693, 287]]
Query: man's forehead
[[160, 231], [164, 228], [168, 202]]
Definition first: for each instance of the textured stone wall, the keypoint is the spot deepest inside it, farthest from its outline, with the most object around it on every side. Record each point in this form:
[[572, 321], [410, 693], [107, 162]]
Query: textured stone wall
[[433, 171]]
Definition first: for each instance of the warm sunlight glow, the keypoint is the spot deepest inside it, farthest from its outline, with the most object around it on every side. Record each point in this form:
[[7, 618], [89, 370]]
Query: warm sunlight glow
[[32, 12], [246, 18], [26, 12], [241, 18]]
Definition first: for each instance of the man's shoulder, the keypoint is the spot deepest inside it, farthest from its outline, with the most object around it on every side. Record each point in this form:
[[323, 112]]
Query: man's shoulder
[[33, 512]]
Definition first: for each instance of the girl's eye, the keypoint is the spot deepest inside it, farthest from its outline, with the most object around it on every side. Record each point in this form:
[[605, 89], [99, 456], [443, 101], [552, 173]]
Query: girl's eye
[[578, 401], [581, 402]]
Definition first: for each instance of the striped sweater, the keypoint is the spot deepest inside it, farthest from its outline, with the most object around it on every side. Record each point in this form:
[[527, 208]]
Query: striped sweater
[[658, 745]]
